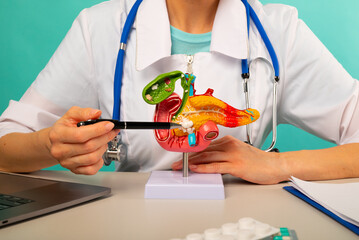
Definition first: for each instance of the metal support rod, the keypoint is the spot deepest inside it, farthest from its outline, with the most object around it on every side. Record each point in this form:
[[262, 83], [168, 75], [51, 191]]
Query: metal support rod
[[185, 164], [274, 121], [246, 94]]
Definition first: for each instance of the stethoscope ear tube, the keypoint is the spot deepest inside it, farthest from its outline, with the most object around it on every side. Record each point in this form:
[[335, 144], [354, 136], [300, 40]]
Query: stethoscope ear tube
[[119, 62], [266, 40]]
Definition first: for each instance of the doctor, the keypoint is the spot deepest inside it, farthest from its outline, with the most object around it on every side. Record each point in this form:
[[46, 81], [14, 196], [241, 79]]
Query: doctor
[[315, 93]]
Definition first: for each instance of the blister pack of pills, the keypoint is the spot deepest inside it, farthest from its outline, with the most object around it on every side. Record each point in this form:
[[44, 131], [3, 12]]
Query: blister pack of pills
[[244, 229]]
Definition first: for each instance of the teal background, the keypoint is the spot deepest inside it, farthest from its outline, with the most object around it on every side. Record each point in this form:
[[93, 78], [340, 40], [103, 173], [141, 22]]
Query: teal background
[[31, 30]]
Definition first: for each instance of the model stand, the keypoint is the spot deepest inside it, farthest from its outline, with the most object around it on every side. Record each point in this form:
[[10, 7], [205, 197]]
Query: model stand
[[184, 185]]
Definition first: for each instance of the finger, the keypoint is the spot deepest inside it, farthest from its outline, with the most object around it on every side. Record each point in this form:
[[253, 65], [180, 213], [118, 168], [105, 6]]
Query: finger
[[67, 134], [67, 150], [89, 170], [216, 145], [219, 146], [83, 160], [220, 143], [77, 114], [177, 165], [207, 157], [216, 167], [224, 144], [202, 158]]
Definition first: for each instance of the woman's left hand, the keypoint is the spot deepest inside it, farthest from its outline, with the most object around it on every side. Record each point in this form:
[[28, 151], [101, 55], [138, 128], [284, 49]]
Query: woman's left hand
[[232, 156]]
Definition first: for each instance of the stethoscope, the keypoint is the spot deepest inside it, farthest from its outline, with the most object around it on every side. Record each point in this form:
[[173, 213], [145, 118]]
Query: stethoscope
[[118, 151]]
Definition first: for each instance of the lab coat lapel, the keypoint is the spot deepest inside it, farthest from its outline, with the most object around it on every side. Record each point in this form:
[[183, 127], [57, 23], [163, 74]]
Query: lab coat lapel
[[153, 33], [229, 33]]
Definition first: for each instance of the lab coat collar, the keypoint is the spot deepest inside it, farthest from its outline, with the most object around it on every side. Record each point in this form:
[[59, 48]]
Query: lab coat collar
[[229, 33]]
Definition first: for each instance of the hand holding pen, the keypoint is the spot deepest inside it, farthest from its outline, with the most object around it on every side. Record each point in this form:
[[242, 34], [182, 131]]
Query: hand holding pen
[[80, 149]]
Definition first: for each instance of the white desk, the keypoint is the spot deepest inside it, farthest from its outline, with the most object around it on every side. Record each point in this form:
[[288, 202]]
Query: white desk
[[126, 215]]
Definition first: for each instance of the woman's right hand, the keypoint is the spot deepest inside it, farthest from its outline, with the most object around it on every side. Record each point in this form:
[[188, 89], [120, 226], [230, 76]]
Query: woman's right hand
[[80, 149]]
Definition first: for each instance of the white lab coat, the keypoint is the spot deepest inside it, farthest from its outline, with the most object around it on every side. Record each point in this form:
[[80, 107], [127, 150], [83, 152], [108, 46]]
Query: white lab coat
[[315, 93]]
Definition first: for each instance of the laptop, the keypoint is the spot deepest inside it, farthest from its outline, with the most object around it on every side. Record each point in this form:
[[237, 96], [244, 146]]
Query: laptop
[[24, 197]]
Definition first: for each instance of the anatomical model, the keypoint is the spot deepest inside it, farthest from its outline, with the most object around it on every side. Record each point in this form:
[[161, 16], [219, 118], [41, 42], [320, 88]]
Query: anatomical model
[[198, 114]]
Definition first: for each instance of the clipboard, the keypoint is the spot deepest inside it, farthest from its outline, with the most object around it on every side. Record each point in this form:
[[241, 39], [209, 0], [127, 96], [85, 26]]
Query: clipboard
[[300, 195]]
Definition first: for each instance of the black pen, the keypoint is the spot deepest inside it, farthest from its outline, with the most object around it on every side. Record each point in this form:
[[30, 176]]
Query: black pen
[[133, 125]]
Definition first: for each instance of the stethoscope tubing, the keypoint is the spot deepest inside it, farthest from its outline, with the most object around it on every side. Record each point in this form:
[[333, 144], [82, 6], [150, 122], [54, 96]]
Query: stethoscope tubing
[[119, 62], [266, 40]]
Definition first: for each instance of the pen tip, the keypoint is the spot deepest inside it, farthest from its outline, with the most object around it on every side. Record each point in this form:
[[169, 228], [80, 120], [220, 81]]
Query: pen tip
[[175, 125]]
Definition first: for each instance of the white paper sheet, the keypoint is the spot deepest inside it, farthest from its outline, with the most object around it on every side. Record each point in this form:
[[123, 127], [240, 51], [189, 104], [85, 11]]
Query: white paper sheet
[[341, 199]]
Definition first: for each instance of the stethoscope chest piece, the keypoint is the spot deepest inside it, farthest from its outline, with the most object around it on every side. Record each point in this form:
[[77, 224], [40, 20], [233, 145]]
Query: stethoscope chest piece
[[116, 151]]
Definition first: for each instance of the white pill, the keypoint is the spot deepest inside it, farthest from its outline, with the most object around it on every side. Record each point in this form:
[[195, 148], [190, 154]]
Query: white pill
[[212, 234], [246, 223], [194, 236], [263, 228], [229, 229], [226, 237], [245, 234]]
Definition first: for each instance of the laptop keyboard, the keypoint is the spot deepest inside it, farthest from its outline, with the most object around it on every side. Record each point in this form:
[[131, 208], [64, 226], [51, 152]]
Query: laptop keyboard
[[8, 201]]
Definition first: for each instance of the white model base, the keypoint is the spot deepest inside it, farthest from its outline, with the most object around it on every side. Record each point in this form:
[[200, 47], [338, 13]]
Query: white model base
[[172, 185]]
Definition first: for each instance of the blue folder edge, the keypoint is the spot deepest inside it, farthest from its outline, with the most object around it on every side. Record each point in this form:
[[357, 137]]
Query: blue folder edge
[[297, 193]]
